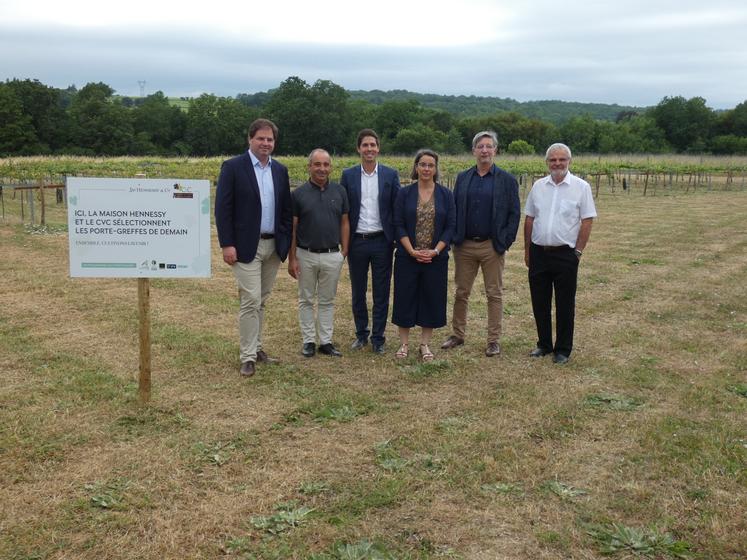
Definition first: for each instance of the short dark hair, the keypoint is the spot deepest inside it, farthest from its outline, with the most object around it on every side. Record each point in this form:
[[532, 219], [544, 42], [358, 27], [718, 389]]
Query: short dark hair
[[259, 124], [367, 132], [424, 152]]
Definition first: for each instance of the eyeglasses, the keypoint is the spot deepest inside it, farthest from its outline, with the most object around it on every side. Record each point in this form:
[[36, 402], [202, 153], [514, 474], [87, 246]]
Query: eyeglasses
[[558, 160], [426, 165], [484, 147]]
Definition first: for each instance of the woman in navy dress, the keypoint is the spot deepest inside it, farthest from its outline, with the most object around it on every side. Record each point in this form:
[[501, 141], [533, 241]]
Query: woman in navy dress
[[424, 222]]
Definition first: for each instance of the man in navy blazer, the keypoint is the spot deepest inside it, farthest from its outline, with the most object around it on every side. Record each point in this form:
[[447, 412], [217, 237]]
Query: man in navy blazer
[[372, 189], [488, 213], [254, 215]]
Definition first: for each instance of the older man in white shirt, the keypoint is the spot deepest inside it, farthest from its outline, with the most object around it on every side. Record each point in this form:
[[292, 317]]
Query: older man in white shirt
[[559, 213]]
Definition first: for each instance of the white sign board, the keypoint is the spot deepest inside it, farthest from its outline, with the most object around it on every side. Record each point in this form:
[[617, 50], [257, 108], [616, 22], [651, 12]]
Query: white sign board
[[139, 228]]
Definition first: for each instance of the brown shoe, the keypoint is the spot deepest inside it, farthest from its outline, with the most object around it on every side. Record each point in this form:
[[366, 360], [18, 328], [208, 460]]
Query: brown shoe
[[263, 358], [493, 349], [452, 342], [247, 369]]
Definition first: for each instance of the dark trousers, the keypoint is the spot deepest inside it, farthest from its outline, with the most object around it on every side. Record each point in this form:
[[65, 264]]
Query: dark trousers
[[553, 270], [375, 254], [420, 291]]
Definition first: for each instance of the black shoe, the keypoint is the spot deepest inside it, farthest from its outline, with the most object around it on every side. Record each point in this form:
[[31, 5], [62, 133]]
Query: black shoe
[[377, 347], [309, 349], [358, 344], [558, 358], [452, 342], [329, 350], [538, 353], [263, 358], [247, 369]]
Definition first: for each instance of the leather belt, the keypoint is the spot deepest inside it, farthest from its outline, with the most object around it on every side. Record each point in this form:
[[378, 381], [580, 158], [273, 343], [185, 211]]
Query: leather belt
[[369, 235], [550, 248], [334, 249], [267, 236], [476, 238]]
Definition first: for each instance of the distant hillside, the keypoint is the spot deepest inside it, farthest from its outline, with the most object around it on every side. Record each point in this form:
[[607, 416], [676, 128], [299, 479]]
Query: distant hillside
[[474, 106]]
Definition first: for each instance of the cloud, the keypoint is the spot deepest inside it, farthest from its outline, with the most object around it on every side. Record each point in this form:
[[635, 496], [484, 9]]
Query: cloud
[[603, 52]]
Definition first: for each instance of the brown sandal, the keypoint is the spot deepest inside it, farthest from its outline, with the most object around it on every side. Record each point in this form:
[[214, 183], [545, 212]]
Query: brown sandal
[[426, 354], [402, 353]]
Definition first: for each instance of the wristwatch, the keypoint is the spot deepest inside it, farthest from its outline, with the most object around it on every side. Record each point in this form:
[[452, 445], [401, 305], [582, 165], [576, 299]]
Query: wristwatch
[[578, 253]]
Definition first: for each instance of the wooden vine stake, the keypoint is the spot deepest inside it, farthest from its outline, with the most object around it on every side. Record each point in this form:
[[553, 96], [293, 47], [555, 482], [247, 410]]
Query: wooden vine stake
[[143, 299], [43, 218]]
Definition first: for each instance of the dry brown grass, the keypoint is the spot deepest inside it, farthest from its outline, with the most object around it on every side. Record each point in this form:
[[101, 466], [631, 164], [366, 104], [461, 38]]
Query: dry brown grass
[[449, 462]]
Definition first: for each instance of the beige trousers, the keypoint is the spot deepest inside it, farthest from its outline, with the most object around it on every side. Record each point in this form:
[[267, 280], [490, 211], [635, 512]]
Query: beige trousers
[[318, 276], [255, 281], [468, 258]]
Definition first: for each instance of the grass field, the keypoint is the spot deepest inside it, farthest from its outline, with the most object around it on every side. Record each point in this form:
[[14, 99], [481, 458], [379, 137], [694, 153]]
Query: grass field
[[637, 448]]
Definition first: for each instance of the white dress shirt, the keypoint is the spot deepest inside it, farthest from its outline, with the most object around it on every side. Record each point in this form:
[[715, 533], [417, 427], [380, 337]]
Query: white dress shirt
[[266, 193], [370, 217], [558, 209]]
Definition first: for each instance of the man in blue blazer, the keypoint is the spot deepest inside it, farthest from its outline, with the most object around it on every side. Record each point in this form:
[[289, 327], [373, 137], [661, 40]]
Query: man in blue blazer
[[372, 189], [488, 213], [254, 215]]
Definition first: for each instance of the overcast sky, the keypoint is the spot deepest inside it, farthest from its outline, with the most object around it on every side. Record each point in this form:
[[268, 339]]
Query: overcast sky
[[630, 53]]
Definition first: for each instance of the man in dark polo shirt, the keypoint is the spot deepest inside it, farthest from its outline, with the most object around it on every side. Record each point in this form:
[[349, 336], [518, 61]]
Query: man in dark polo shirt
[[321, 233], [488, 212]]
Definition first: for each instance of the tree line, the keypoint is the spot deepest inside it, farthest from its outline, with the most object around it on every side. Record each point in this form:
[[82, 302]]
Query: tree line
[[36, 119]]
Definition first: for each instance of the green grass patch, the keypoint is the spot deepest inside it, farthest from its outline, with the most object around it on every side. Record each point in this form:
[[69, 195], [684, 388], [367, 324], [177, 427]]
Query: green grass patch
[[285, 518], [611, 401], [615, 538], [712, 446], [739, 389], [562, 490], [426, 370]]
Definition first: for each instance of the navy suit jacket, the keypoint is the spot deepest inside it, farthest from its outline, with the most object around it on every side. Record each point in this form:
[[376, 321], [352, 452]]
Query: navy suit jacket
[[238, 208], [388, 188], [406, 213], [506, 208]]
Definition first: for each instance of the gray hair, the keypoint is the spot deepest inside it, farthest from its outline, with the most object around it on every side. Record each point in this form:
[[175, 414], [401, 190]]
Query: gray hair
[[315, 150], [558, 146], [483, 134]]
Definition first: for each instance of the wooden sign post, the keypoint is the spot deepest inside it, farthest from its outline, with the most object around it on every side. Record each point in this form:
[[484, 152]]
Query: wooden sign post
[[143, 300], [139, 228]]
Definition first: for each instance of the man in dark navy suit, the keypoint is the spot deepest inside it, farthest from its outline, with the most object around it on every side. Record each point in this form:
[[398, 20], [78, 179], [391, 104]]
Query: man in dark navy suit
[[254, 215], [372, 189]]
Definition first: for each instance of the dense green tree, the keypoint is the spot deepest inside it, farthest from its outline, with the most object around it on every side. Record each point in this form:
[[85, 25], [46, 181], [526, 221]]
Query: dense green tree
[[581, 134], [509, 127], [362, 114], [520, 148], [438, 119], [44, 105], [412, 138], [309, 117], [17, 134], [217, 125], [100, 126], [393, 116], [687, 123], [292, 108], [728, 144], [641, 135], [733, 121], [36, 118], [333, 125], [158, 123]]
